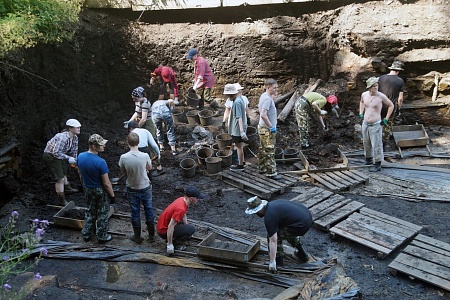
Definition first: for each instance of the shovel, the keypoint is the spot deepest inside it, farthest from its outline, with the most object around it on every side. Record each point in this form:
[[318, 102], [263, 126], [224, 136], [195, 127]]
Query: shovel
[[116, 180]]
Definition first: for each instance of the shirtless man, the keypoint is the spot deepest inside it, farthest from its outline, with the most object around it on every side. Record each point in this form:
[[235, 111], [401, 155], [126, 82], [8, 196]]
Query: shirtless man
[[370, 110]]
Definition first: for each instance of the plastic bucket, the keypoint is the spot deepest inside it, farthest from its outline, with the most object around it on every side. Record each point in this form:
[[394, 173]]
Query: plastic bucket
[[192, 117], [224, 140], [205, 116], [227, 157], [290, 153], [187, 166], [278, 153], [178, 115], [192, 99], [203, 154], [251, 134], [215, 148], [213, 165]]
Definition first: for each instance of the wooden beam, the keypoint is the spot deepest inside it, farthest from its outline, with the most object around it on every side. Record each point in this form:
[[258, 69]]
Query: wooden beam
[[283, 97]]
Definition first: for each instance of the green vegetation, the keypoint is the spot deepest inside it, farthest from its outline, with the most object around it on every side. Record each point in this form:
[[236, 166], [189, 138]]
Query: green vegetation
[[24, 23]]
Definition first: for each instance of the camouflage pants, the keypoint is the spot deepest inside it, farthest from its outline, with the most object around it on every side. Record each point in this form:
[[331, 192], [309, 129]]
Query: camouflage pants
[[204, 94], [302, 114], [96, 216], [266, 155], [393, 120], [285, 235]]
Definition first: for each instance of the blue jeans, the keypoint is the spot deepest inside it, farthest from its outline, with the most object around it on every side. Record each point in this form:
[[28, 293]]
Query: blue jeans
[[135, 198], [160, 116]]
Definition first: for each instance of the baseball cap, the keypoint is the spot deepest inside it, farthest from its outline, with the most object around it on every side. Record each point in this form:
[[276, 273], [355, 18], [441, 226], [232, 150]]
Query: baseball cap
[[165, 74], [133, 124], [332, 99], [191, 53], [96, 139], [194, 192]]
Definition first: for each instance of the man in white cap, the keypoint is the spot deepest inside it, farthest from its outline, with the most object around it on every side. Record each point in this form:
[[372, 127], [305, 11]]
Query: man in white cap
[[97, 189], [393, 87], [370, 111], [61, 151], [283, 220]]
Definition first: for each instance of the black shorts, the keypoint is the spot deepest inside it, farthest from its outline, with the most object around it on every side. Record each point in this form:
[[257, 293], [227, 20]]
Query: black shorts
[[236, 139]]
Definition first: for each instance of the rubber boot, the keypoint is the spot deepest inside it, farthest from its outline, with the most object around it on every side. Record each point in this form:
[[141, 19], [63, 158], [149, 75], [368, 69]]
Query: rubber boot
[[136, 237], [376, 167], [68, 189], [62, 199], [300, 252], [279, 260], [369, 161], [151, 231]]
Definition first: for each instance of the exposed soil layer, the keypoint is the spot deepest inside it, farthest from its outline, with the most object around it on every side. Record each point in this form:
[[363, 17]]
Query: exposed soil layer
[[91, 79]]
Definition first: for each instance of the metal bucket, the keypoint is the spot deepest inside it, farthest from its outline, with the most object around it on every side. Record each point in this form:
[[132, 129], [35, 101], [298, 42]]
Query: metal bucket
[[203, 154], [213, 165], [224, 140], [205, 116], [192, 117], [227, 157], [187, 166]]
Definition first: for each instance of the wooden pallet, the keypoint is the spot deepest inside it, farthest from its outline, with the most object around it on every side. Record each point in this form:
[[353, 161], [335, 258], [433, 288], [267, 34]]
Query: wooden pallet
[[426, 259], [339, 180], [375, 230], [256, 184], [326, 207]]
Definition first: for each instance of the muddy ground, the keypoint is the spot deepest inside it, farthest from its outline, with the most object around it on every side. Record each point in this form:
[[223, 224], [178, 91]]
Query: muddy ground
[[91, 80]]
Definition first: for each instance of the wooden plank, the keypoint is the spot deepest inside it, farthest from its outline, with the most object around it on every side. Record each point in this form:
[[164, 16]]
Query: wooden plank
[[430, 241], [249, 189], [357, 176], [321, 212], [380, 215], [347, 178], [248, 179], [426, 254], [429, 247], [315, 194], [359, 240], [338, 179], [318, 207], [324, 183], [326, 221], [384, 225], [325, 177], [419, 274]]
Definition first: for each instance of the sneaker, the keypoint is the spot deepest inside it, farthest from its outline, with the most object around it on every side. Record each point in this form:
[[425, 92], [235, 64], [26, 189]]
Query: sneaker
[[108, 239], [275, 177], [237, 168], [86, 239], [180, 248]]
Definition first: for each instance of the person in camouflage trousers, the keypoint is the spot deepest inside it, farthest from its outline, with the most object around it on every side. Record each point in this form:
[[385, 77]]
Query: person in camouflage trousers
[[302, 111], [97, 189]]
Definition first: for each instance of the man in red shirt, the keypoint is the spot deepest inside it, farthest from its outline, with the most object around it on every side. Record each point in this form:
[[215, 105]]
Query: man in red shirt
[[203, 77], [165, 77], [173, 224]]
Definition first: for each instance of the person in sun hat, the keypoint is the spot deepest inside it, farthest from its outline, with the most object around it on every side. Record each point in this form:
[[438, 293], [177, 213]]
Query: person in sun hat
[[203, 77], [60, 151], [166, 78], [393, 87], [370, 112], [98, 190], [284, 220], [229, 104], [237, 125], [173, 224], [318, 106]]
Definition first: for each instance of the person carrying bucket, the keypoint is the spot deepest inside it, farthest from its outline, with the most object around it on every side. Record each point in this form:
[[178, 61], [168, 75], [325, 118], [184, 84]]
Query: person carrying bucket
[[203, 77]]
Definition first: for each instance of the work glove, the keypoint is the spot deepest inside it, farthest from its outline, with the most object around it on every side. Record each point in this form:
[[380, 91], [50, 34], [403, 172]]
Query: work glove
[[323, 112], [361, 116], [151, 81], [125, 124], [244, 136], [273, 129], [224, 126], [175, 101], [170, 249], [384, 122], [72, 160], [194, 87], [273, 266], [112, 200]]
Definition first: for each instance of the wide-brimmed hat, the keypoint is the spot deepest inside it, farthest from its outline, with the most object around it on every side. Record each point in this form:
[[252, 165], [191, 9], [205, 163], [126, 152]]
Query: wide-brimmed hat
[[191, 53], [230, 89], [96, 139], [396, 65], [371, 81], [254, 204], [238, 86]]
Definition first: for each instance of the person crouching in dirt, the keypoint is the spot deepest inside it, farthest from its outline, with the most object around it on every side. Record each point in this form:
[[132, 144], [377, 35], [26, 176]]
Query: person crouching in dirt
[[161, 113], [147, 144], [164, 77], [135, 164], [316, 105], [370, 107], [61, 151], [97, 190], [173, 224], [283, 220], [237, 125]]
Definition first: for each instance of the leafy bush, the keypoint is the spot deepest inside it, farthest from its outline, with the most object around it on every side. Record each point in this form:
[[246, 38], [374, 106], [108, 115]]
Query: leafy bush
[[24, 23]]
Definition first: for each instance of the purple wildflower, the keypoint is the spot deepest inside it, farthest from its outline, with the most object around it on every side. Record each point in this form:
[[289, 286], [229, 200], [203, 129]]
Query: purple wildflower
[[14, 214], [24, 250], [43, 251], [6, 286], [37, 276], [5, 257], [39, 232], [45, 223]]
